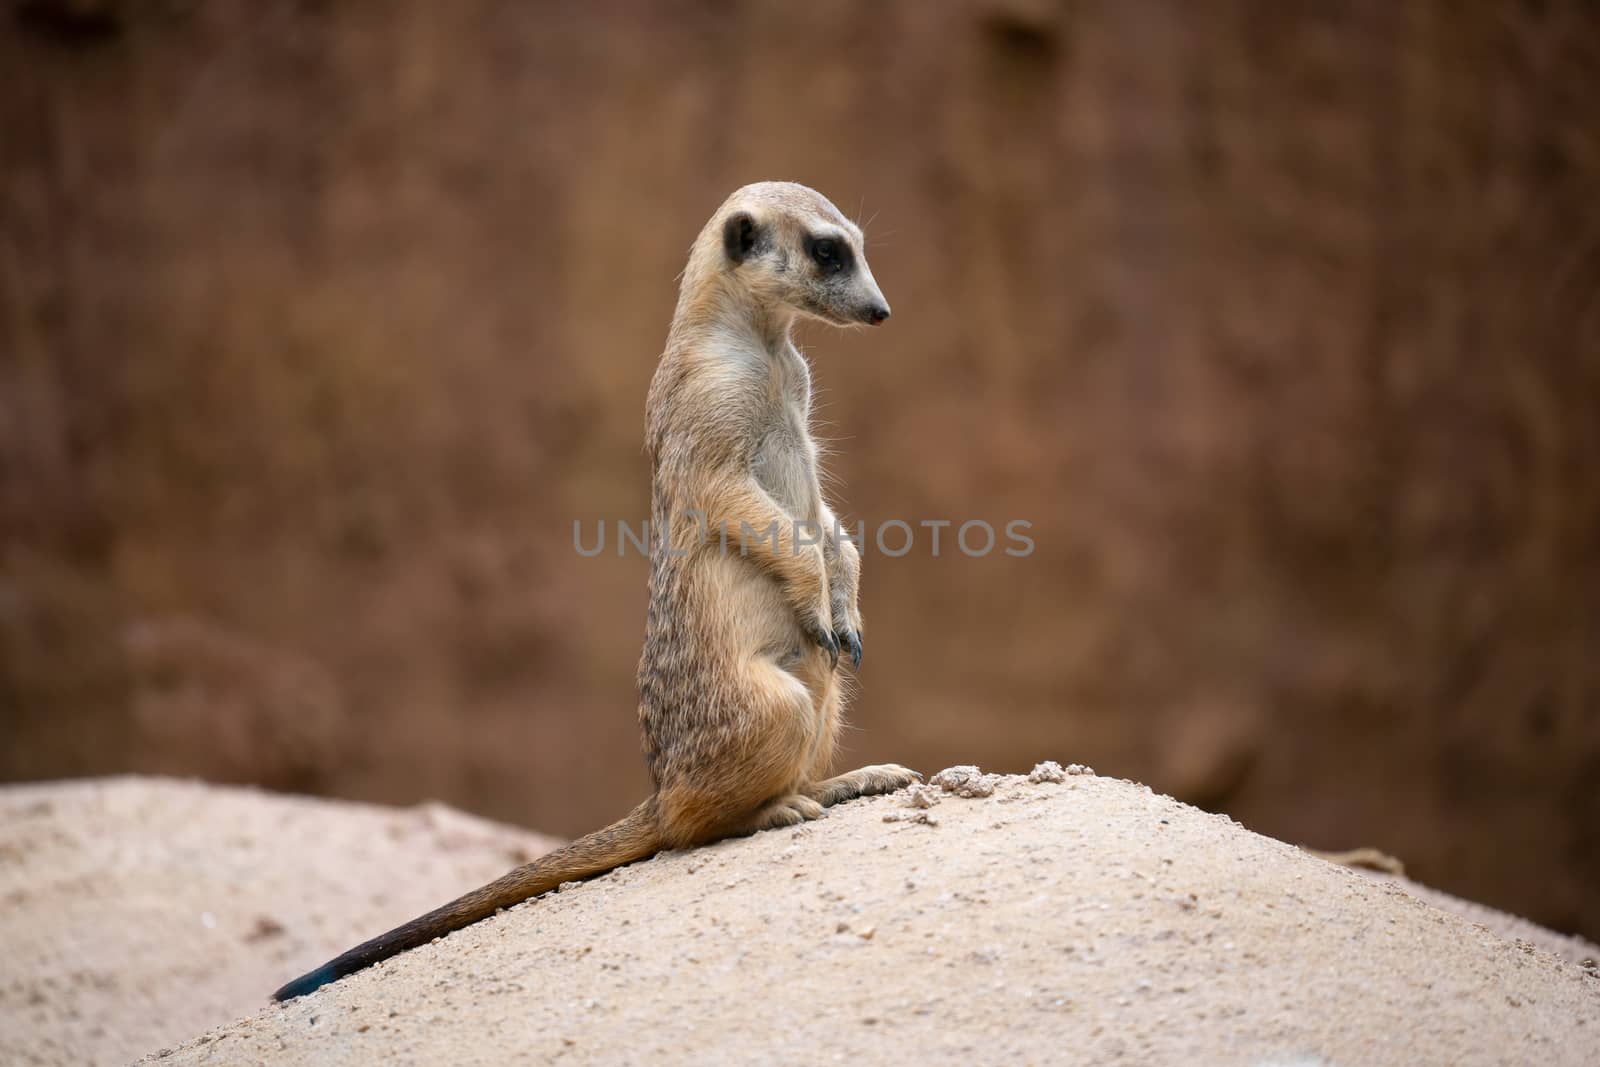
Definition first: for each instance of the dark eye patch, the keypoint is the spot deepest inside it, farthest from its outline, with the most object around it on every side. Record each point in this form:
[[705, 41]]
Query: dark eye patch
[[831, 255]]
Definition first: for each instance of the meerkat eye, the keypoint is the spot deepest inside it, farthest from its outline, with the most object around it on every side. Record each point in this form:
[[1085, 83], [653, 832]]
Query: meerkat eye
[[831, 259]]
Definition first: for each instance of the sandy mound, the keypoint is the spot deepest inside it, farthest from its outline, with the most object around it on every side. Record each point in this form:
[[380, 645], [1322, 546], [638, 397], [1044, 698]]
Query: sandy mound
[[135, 913], [1083, 919], [1079, 920]]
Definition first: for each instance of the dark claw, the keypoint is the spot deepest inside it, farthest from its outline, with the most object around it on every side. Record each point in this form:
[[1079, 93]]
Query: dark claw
[[850, 642], [827, 641]]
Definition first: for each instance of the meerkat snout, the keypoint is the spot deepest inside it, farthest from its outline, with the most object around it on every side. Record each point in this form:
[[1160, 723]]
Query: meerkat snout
[[875, 313]]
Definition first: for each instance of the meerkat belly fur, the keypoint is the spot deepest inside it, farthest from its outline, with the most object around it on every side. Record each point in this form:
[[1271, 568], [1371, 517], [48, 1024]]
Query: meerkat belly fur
[[753, 610]]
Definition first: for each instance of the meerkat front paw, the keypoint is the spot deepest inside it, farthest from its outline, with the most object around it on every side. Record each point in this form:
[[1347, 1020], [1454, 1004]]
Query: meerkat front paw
[[847, 628], [849, 642], [823, 636], [846, 618]]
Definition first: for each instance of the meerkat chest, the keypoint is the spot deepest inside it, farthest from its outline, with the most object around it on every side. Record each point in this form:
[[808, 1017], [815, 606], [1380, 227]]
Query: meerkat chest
[[785, 459]]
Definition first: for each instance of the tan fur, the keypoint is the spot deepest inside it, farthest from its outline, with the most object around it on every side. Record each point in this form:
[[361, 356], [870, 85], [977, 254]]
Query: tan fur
[[741, 695]]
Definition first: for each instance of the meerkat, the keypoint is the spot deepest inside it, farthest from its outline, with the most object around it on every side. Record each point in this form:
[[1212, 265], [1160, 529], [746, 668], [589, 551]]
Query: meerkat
[[753, 584]]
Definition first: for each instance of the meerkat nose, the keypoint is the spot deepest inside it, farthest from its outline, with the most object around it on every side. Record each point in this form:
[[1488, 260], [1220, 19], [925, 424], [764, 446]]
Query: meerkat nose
[[877, 313]]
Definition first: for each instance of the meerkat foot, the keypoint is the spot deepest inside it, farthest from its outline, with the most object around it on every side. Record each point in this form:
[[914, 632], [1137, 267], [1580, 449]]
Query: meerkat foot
[[865, 782], [789, 810]]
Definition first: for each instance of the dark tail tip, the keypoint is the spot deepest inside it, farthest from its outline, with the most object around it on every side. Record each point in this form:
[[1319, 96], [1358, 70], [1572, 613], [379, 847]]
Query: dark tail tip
[[307, 983]]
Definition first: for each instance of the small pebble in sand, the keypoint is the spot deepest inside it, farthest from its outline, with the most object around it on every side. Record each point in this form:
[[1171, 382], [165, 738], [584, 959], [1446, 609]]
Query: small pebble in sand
[[965, 781], [265, 927], [921, 796], [918, 817]]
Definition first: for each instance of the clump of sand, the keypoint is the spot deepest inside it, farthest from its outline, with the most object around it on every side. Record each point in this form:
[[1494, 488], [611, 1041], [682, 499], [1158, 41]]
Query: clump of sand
[[1068, 918]]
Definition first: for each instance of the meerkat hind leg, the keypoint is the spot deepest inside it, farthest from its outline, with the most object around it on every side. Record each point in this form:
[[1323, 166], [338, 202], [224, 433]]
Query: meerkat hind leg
[[863, 782]]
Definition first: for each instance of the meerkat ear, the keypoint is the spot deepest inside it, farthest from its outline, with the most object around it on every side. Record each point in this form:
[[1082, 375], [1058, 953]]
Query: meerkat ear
[[739, 236]]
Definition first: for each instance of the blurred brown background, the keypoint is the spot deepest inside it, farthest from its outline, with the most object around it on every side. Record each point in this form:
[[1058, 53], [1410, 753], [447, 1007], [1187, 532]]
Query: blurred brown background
[[321, 322]]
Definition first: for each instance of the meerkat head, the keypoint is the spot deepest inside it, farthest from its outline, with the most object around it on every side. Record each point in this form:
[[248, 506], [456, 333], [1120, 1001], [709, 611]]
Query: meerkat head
[[788, 246]]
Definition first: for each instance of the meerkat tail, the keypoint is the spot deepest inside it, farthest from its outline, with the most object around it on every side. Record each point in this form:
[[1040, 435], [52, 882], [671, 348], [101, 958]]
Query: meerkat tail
[[634, 837]]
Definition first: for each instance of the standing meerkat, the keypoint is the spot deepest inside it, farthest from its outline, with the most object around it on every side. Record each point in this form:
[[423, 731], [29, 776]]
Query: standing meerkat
[[753, 585]]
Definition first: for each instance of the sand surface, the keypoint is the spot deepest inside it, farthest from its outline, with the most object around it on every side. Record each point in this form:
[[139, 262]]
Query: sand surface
[[138, 912], [1085, 920]]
